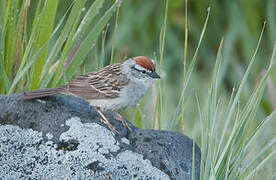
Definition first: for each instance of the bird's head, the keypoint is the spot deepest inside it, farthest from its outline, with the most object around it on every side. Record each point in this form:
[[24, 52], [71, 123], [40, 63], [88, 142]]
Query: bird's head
[[142, 67]]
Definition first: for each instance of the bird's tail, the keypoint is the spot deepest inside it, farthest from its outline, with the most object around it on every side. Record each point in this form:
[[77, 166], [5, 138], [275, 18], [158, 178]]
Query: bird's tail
[[41, 93]]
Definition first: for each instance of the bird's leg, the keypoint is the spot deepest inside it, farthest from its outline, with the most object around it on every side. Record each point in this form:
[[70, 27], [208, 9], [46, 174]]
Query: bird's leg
[[120, 118], [105, 121]]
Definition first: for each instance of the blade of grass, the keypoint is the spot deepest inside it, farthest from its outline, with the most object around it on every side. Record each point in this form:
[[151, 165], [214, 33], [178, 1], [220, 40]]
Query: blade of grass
[[251, 107], [66, 36], [220, 172], [88, 18], [271, 20], [10, 39], [162, 39], [21, 31], [235, 101], [189, 73], [88, 42], [213, 100], [23, 69], [75, 40], [46, 24], [2, 14], [139, 116], [25, 58], [104, 34], [184, 62], [36, 18], [203, 142], [114, 33], [28, 49], [249, 113], [256, 132], [72, 45], [228, 165], [5, 82], [46, 78], [261, 153], [262, 163]]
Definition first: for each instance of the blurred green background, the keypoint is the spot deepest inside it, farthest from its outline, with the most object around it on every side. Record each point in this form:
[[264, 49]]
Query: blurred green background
[[38, 37], [238, 22]]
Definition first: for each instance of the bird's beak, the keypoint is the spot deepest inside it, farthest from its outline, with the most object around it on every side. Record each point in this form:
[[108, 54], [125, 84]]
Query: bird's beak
[[154, 75]]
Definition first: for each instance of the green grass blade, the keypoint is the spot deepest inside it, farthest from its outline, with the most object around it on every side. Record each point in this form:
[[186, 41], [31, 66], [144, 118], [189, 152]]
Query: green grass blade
[[252, 105], [184, 63], [46, 24], [162, 38], [270, 118], [67, 34], [249, 113], [114, 37], [10, 39], [256, 132], [74, 40], [36, 18], [23, 69], [233, 106], [103, 48], [228, 165], [189, 73], [50, 59], [139, 116], [25, 58], [28, 49], [5, 82], [271, 19], [213, 100], [84, 25], [163, 35], [262, 163], [88, 42]]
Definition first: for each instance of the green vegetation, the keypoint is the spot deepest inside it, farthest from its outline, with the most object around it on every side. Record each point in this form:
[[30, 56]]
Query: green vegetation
[[210, 57]]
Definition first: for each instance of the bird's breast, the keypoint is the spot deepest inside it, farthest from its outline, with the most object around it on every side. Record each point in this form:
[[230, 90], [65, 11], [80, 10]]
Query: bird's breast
[[134, 92]]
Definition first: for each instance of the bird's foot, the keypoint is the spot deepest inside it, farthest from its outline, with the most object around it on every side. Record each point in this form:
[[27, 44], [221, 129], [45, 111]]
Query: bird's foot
[[120, 118], [105, 121]]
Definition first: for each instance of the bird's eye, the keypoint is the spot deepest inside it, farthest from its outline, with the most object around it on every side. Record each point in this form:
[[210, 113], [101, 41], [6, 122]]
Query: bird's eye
[[143, 71]]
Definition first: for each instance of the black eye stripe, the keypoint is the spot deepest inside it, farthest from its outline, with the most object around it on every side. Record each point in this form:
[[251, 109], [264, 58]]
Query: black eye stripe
[[142, 71]]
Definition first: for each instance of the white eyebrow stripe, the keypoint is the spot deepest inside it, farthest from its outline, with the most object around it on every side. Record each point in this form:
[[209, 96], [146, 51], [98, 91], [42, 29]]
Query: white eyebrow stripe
[[140, 68]]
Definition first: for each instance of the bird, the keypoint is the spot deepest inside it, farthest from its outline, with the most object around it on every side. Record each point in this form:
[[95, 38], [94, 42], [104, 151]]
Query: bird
[[112, 88]]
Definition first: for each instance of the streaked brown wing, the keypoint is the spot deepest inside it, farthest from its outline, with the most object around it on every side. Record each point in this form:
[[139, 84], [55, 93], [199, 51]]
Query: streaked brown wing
[[101, 84]]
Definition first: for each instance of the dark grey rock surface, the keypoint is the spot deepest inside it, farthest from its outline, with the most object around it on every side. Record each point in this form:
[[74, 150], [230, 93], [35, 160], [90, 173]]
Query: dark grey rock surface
[[63, 138]]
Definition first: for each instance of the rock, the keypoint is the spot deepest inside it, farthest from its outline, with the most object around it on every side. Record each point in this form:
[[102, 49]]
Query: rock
[[62, 137]]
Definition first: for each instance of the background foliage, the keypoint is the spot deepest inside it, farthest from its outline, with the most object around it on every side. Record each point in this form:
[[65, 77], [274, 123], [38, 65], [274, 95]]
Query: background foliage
[[204, 92]]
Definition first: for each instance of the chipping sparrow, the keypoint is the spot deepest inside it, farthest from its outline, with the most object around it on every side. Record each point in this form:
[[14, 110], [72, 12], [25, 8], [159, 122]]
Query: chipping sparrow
[[113, 87]]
